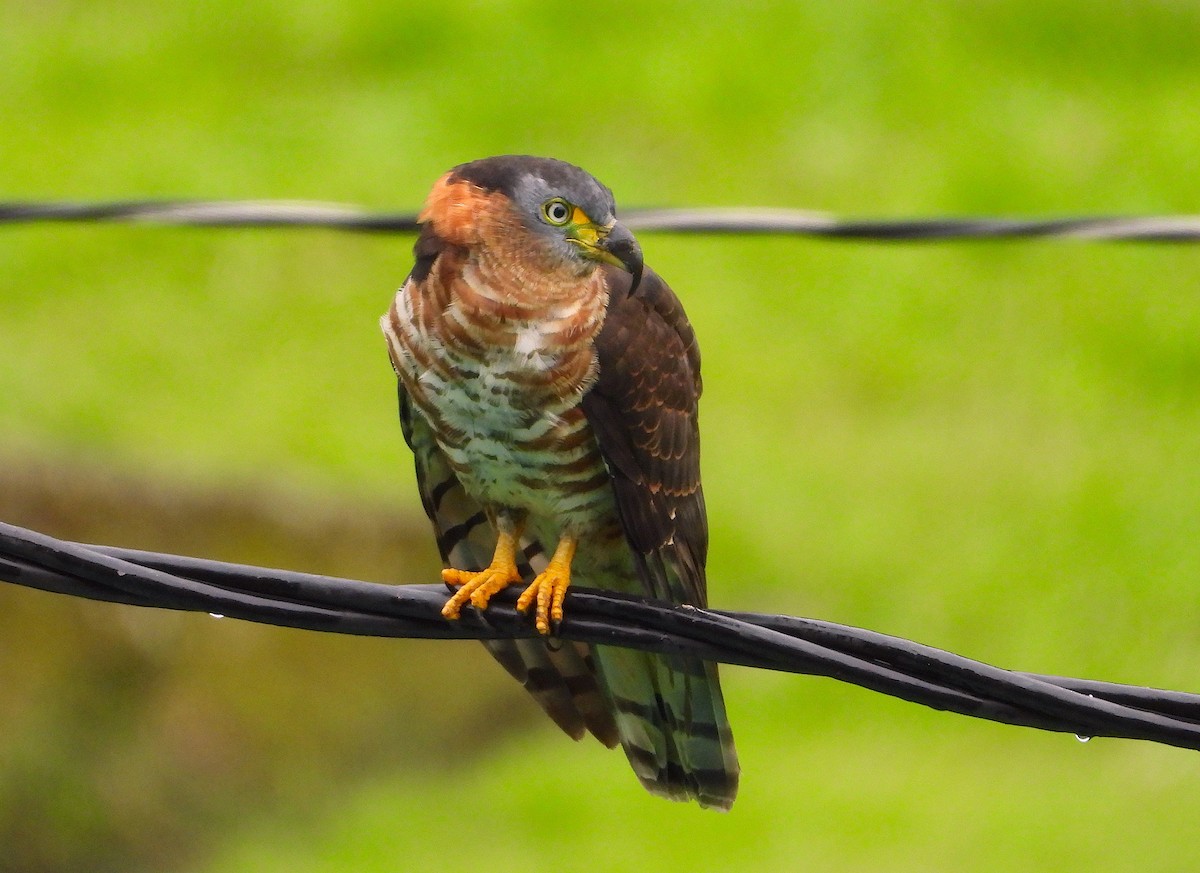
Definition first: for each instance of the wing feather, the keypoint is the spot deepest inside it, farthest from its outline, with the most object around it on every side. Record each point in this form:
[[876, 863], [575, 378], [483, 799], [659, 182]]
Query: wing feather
[[643, 412]]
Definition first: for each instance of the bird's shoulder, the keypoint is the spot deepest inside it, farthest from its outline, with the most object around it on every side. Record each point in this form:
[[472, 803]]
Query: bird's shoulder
[[643, 410]]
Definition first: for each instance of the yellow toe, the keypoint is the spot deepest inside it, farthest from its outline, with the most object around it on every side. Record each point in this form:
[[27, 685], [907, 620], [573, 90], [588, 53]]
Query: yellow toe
[[549, 588], [477, 588], [547, 591]]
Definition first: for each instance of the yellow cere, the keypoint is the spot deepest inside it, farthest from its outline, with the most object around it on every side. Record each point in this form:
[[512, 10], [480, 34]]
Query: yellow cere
[[583, 229]]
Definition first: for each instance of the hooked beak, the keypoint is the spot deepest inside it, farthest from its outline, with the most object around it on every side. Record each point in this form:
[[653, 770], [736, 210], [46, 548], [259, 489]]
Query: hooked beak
[[613, 244]]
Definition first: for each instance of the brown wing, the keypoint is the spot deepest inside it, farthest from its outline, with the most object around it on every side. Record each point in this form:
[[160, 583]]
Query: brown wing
[[643, 411]]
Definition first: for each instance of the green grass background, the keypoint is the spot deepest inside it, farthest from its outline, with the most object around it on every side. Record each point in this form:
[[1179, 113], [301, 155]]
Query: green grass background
[[988, 447]]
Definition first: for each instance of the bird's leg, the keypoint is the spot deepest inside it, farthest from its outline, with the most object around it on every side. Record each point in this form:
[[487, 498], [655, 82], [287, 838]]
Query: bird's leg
[[478, 587], [550, 587]]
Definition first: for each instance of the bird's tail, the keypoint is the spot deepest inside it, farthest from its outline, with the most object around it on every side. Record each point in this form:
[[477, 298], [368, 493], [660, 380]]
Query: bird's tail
[[671, 721]]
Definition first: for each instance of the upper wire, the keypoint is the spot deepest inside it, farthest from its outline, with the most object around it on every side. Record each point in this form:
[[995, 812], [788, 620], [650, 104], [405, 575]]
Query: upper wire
[[742, 221]]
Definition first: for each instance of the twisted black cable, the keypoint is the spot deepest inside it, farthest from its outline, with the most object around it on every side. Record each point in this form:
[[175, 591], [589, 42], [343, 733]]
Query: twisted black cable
[[901, 668]]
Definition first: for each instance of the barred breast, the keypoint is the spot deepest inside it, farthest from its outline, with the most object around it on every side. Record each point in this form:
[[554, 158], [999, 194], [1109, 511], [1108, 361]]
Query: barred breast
[[499, 374]]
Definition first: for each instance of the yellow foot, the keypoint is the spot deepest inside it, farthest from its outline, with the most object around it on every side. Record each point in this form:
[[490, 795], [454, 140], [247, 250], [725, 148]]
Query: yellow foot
[[550, 587], [478, 587]]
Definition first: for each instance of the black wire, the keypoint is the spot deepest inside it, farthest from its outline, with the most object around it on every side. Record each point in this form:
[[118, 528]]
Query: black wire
[[284, 213], [212, 213], [901, 668]]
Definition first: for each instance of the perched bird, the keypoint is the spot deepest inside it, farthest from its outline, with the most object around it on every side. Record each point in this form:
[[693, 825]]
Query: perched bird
[[548, 390]]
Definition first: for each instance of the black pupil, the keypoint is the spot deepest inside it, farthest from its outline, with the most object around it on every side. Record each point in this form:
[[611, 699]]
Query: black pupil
[[558, 212]]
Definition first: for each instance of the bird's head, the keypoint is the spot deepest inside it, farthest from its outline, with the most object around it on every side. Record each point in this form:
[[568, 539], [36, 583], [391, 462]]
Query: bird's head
[[562, 210]]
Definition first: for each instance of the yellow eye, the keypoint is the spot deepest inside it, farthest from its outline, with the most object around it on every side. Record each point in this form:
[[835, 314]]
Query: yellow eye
[[556, 211]]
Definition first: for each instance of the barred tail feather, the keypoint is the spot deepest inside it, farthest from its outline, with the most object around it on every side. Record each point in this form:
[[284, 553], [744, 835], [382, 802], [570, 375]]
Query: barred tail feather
[[672, 724], [563, 683], [561, 678]]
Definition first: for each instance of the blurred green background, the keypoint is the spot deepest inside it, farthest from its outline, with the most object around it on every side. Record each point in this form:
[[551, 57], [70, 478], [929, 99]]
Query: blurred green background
[[987, 447]]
